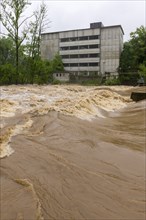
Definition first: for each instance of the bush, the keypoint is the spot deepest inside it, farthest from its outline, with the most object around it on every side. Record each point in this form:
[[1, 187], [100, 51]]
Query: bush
[[129, 78], [8, 74], [91, 82], [56, 82], [111, 82]]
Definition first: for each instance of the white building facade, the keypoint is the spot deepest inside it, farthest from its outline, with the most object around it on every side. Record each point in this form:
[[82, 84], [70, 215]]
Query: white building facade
[[95, 50]]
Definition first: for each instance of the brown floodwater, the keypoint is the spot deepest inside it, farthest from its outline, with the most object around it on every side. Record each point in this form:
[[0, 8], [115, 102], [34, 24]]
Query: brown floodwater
[[72, 152]]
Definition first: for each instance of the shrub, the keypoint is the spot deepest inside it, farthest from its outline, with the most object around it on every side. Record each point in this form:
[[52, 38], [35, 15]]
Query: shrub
[[8, 74], [114, 81]]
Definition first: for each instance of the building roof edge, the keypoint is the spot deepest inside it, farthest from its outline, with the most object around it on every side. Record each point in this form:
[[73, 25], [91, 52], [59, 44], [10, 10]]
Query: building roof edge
[[112, 26], [57, 32]]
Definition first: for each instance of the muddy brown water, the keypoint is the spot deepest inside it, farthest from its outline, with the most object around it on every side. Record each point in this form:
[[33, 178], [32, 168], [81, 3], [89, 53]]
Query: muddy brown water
[[56, 165]]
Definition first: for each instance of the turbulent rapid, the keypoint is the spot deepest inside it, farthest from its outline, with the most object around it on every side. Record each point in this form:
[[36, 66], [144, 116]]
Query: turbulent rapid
[[72, 152]]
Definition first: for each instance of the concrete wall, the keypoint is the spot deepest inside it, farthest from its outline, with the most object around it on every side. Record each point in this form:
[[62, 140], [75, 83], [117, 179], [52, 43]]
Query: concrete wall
[[49, 45], [63, 77], [77, 33], [111, 47]]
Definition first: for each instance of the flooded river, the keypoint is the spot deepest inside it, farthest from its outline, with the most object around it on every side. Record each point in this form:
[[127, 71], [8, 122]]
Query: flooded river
[[72, 152]]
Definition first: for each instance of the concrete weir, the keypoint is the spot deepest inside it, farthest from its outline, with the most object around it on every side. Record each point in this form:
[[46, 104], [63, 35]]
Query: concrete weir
[[138, 95]]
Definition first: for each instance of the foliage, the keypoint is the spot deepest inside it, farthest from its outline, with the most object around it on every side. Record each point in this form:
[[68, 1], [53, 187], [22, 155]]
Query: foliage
[[91, 82], [7, 51], [134, 51], [36, 28], [19, 62], [142, 71], [37, 71], [127, 60], [129, 78], [11, 18], [138, 41], [7, 74], [56, 82], [114, 81], [31, 70], [57, 63]]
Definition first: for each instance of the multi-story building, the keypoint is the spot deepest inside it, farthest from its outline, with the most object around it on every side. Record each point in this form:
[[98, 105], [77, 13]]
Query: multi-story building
[[95, 50]]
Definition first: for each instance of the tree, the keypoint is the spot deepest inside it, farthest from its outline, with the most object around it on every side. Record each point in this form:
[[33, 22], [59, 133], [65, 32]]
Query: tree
[[7, 51], [11, 18], [134, 51], [57, 63], [7, 74], [36, 28], [142, 71], [138, 41], [127, 62]]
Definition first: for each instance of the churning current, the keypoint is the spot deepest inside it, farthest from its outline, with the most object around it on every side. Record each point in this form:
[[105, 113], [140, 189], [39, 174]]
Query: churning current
[[72, 152]]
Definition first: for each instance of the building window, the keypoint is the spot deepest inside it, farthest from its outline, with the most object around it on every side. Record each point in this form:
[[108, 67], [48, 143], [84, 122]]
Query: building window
[[80, 47], [64, 39], [92, 55], [93, 37], [94, 64], [83, 38], [83, 47], [66, 64], [80, 38], [65, 56], [83, 55], [64, 48], [73, 38], [93, 46], [74, 56], [73, 64], [83, 64], [74, 48]]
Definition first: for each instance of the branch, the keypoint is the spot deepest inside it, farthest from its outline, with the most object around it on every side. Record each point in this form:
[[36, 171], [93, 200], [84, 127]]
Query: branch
[[4, 34], [7, 17], [10, 33], [25, 20]]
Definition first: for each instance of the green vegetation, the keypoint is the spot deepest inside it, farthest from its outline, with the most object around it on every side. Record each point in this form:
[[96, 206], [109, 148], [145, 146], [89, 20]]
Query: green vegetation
[[91, 82], [114, 81], [20, 60], [142, 71], [133, 57], [30, 70]]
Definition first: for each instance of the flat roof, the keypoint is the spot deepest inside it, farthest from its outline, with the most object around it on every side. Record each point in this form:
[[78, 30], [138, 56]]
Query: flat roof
[[112, 26]]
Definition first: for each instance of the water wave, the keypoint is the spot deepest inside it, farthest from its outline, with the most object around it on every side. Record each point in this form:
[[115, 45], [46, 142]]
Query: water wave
[[78, 153]]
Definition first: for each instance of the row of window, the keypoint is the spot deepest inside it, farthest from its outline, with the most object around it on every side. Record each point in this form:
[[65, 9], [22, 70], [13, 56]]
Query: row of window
[[80, 47], [83, 73], [93, 37], [92, 55], [80, 64]]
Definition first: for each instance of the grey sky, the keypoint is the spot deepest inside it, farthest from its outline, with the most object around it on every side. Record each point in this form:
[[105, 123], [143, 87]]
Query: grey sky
[[68, 15]]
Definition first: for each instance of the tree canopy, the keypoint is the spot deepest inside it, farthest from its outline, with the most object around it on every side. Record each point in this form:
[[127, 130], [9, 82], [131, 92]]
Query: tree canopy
[[31, 70], [134, 51], [20, 60]]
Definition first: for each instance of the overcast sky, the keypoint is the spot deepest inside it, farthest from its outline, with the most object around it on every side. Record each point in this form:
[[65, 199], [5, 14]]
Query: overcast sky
[[68, 15]]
